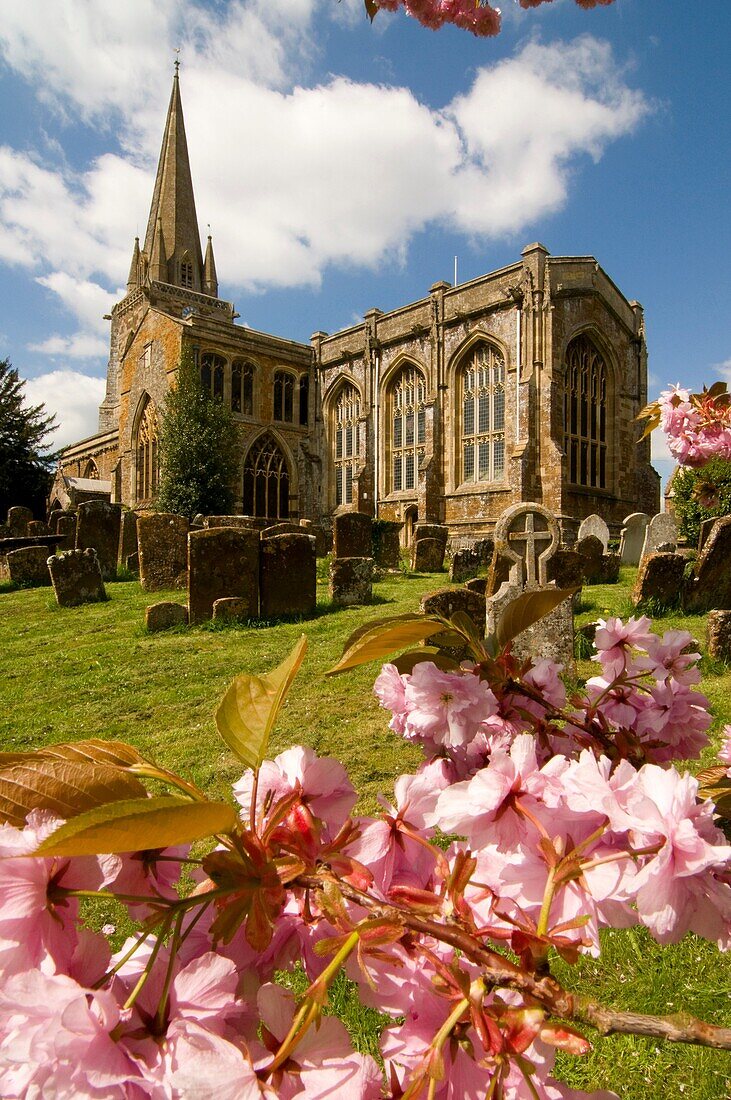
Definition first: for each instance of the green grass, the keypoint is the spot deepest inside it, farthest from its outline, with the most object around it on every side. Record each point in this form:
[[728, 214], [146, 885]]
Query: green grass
[[94, 671]]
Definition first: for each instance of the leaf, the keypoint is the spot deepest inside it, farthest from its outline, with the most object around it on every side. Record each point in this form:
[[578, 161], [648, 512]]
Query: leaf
[[462, 622], [382, 640], [66, 787], [247, 713], [115, 753], [139, 824], [388, 620], [527, 609], [371, 9], [407, 662]]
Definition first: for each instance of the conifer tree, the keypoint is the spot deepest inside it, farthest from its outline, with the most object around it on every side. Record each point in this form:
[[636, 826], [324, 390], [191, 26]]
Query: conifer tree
[[25, 459], [199, 449]]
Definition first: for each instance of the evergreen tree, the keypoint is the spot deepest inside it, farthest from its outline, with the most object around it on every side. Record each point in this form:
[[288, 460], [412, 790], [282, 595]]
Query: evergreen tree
[[199, 449], [25, 459]]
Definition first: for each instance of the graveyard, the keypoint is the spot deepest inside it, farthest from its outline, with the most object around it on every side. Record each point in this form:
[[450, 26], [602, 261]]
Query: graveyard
[[97, 670]]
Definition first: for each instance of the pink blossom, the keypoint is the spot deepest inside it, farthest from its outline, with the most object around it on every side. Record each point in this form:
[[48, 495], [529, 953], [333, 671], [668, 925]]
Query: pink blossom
[[671, 658], [390, 689], [615, 641], [153, 873], [724, 753], [446, 708]]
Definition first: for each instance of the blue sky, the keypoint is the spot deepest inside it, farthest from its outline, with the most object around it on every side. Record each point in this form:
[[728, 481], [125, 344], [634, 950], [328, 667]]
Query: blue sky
[[343, 166]]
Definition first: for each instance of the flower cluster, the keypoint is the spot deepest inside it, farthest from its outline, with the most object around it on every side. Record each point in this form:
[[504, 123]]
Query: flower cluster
[[570, 818], [477, 16], [697, 425]]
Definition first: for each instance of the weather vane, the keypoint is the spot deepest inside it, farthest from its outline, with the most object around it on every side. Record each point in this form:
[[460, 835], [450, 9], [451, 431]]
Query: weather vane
[[177, 59]]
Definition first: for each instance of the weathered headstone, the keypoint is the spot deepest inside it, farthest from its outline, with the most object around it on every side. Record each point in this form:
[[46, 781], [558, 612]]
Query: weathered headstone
[[28, 567], [436, 531], [247, 522], [54, 518], [76, 577], [427, 556], [591, 551], [633, 537], [132, 563], [283, 528], [566, 569], [222, 561], [718, 635], [528, 536], [705, 530], [97, 526], [595, 525], [18, 520], [287, 576], [662, 530], [446, 602], [484, 548], [464, 565], [659, 578], [230, 607], [352, 535], [164, 615], [387, 544], [66, 526], [477, 584], [127, 536], [710, 586], [37, 527], [351, 581], [162, 540]]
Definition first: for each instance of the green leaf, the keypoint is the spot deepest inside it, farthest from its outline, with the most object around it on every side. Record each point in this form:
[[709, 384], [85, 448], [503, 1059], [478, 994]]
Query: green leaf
[[66, 787], [527, 609], [407, 662], [139, 824], [385, 638], [246, 715]]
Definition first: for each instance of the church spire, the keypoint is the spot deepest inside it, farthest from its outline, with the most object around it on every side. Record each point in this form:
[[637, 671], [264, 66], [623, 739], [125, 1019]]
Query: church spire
[[177, 259], [210, 279]]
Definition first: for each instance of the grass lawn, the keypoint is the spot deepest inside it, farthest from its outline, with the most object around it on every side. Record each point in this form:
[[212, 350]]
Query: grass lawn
[[94, 671]]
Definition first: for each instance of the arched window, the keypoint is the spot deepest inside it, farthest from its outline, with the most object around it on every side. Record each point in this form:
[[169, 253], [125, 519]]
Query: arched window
[[483, 415], [242, 388], [345, 437], [585, 414], [212, 368], [283, 396], [304, 398], [266, 480], [186, 271], [147, 455], [92, 470], [407, 417]]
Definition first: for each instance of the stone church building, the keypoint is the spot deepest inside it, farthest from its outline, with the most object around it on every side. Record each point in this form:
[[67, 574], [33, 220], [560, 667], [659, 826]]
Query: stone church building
[[522, 384]]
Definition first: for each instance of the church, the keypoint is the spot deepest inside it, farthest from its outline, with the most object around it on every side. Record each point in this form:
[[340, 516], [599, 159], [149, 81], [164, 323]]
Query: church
[[522, 384]]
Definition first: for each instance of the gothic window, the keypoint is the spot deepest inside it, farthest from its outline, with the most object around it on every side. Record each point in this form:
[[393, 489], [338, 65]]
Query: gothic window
[[407, 417], [242, 388], [345, 438], [483, 415], [147, 454], [92, 471], [266, 480], [304, 398], [585, 414], [186, 272], [283, 396], [212, 368]]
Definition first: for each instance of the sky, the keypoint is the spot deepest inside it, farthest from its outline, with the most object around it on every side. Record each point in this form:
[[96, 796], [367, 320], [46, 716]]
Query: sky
[[343, 165]]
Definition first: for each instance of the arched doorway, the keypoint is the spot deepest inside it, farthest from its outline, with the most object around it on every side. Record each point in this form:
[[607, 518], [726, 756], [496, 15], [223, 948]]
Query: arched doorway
[[411, 518]]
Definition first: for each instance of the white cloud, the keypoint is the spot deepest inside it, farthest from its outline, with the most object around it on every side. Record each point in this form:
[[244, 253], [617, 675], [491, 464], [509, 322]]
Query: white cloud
[[724, 369], [73, 397], [87, 302]]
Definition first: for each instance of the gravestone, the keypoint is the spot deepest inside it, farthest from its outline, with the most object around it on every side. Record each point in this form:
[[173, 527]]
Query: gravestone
[[705, 530], [351, 581], [464, 565], [477, 584], [595, 525], [566, 570], [633, 538], [132, 563], [446, 602], [432, 531], [284, 528], [591, 551], [528, 536], [18, 520], [246, 522], [230, 607], [28, 567], [718, 635], [37, 527], [127, 537], [662, 530], [76, 578], [222, 561], [162, 541], [484, 548], [710, 586], [54, 518], [659, 578], [287, 576], [66, 527], [97, 527], [427, 556], [353, 535], [387, 544], [163, 615]]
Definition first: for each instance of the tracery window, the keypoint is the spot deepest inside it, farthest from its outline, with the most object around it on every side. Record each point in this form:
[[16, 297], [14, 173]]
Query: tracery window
[[483, 415], [346, 453], [585, 414], [242, 388], [92, 470], [212, 368], [266, 480], [407, 416], [186, 272], [283, 396], [147, 453]]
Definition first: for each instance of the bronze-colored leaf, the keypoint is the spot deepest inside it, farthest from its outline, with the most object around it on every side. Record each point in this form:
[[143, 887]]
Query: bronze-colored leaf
[[527, 609], [384, 640], [65, 787], [373, 624], [371, 9], [407, 662], [139, 824], [462, 622], [716, 390], [246, 715]]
